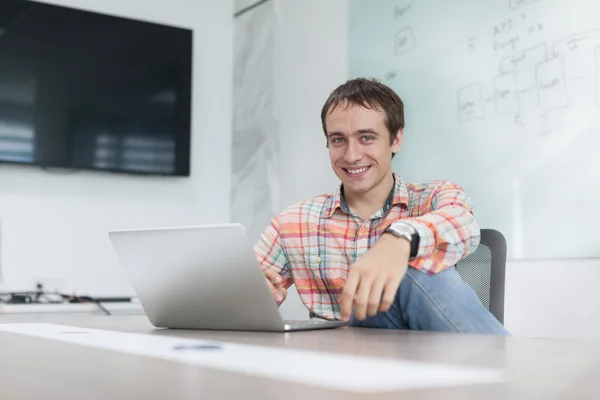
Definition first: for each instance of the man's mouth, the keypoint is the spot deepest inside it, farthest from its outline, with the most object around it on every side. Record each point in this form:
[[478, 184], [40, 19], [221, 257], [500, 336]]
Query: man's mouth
[[356, 171]]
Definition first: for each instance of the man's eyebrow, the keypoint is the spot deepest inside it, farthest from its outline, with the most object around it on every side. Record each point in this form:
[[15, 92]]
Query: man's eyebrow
[[363, 131], [358, 132]]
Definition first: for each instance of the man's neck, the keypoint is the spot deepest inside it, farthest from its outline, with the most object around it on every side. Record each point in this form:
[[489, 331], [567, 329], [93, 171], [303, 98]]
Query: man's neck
[[366, 204]]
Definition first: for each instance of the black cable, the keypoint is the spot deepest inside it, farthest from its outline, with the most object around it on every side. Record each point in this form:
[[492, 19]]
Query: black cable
[[100, 306], [35, 297], [85, 299]]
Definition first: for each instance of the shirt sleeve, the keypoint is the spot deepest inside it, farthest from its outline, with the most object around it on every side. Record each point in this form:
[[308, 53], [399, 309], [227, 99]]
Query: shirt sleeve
[[446, 226], [270, 253]]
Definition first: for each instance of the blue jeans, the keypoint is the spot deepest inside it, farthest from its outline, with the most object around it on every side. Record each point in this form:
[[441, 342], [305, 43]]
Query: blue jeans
[[441, 302]]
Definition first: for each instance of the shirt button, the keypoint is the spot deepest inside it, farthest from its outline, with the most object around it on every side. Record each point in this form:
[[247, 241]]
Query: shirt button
[[316, 260]]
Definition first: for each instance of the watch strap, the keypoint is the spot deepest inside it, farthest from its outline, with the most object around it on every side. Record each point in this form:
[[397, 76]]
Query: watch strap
[[402, 231]]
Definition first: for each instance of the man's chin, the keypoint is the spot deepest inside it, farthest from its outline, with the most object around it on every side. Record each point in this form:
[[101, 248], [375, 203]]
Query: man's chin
[[353, 186]]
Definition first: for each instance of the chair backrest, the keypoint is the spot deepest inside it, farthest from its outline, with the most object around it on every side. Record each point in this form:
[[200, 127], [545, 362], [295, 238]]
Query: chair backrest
[[1, 277], [484, 270]]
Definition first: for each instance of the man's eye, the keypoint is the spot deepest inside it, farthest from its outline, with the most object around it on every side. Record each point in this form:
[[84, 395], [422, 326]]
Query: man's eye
[[337, 140], [368, 138]]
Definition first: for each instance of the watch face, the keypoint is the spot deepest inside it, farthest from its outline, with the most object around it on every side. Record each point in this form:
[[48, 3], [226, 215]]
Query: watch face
[[402, 228], [399, 233]]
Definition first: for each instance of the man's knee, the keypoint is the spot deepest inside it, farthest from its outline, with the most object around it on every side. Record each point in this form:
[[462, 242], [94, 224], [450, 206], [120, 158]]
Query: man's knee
[[444, 302]]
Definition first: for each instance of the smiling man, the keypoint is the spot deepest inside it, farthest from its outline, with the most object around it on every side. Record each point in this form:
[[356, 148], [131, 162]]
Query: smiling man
[[378, 251]]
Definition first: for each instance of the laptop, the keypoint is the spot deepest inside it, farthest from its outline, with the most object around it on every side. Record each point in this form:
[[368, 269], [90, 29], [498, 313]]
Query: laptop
[[202, 277]]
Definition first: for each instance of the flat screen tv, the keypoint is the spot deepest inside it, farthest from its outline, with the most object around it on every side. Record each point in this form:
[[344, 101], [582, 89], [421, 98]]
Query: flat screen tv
[[84, 90]]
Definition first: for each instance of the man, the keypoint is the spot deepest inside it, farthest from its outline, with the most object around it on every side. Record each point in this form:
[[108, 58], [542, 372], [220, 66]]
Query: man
[[378, 251]]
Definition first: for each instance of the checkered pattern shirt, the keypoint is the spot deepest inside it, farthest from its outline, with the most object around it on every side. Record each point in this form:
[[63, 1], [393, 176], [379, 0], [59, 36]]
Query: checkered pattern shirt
[[312, 244]]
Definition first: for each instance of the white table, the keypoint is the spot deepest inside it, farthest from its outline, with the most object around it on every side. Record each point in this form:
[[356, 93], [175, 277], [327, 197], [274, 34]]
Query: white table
[[34, 368]]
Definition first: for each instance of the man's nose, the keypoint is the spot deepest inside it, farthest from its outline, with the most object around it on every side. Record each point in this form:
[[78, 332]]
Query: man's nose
[[353, 152]]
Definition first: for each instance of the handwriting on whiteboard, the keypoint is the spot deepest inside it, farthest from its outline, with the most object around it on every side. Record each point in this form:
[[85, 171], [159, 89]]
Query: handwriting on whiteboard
[[519, 3], [401, 10], [404, 41]]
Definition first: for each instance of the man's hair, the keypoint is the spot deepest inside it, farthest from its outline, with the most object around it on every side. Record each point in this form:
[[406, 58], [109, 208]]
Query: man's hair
[[371, 94]]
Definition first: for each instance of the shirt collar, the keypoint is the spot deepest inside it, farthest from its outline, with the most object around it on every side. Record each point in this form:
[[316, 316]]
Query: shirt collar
[[398, 195]]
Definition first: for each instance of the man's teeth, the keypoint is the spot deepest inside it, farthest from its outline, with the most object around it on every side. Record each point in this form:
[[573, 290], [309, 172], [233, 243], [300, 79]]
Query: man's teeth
[[357, 171]]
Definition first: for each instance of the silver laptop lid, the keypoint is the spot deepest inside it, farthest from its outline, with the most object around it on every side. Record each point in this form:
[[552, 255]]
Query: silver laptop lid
[[198, 277]]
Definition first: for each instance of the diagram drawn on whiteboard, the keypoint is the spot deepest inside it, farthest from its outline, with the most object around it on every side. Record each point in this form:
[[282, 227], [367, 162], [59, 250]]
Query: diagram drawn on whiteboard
[[470, 102], [555, 76]]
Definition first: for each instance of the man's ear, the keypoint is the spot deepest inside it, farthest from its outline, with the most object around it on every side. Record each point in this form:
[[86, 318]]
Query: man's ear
[[397, 142]]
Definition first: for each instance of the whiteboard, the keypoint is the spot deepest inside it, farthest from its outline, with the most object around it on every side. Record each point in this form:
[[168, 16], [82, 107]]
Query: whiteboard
[[503, 98]]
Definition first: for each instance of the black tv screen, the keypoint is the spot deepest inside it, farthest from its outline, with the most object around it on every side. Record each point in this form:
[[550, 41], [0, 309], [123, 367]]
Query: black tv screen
[[83, 90]]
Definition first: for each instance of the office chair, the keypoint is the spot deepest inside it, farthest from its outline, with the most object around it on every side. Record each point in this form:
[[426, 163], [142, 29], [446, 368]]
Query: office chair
[[1, 277], [484, 271]]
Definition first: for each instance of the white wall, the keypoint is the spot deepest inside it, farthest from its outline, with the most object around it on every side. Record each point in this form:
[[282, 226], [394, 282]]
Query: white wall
[[54, 224], [555, 298]]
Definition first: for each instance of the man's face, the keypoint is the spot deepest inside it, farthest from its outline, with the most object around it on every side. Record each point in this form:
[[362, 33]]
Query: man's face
[[359, 147]]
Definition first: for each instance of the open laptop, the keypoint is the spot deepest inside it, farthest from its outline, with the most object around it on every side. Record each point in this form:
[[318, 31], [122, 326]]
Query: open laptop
[[202, 277]]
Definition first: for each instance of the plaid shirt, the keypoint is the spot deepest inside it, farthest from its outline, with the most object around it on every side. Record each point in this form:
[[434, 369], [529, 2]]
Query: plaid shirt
[[313, 243]]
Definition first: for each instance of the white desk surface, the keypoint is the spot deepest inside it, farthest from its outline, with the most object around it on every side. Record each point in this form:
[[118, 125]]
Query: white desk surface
[[36, 368]]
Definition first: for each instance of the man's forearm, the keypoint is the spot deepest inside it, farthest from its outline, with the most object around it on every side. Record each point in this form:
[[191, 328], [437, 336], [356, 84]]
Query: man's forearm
[[447, 234]]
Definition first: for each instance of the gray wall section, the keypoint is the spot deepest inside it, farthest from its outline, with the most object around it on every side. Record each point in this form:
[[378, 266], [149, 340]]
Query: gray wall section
[[255, 153]]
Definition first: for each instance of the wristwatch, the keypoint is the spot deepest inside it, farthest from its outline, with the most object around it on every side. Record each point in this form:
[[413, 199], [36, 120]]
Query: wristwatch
[[405, 231]]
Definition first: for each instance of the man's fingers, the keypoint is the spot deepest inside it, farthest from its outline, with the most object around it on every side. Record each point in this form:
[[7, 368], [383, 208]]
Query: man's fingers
[[362, 296], [375, 297], [274, 291], [274, 280], [273, 276], [347, 297], [389, 294]]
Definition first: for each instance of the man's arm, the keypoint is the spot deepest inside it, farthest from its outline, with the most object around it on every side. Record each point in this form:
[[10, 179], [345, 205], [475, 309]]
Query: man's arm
[[273, 262], [447, 232], [446, 227]]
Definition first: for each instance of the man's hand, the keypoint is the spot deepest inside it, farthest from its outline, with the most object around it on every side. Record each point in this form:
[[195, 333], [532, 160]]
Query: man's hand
[[374, 278], [274, 280]]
